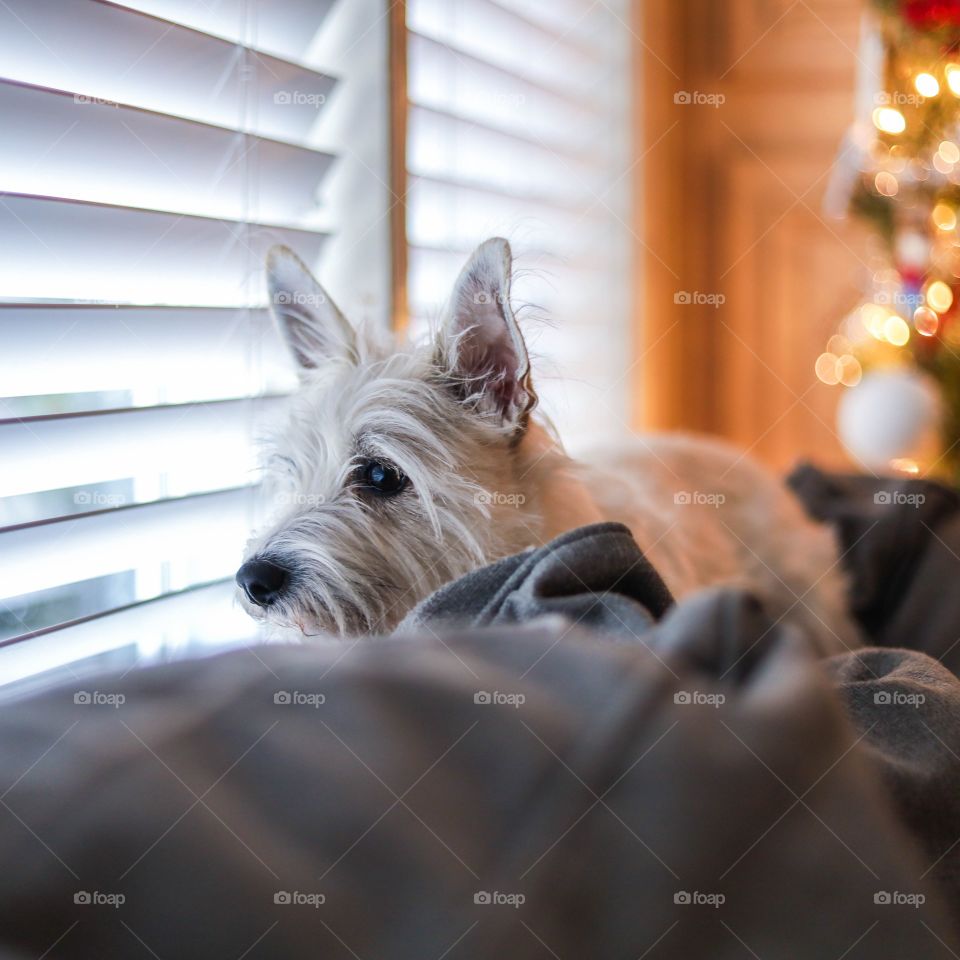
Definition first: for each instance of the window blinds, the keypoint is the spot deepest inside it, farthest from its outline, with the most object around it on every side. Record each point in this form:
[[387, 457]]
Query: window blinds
[[519, 125], [151, 152]]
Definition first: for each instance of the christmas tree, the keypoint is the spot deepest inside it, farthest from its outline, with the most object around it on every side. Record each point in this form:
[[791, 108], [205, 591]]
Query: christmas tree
[[899, 172]]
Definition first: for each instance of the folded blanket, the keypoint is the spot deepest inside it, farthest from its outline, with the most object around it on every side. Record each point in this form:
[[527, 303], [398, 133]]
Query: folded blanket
[[705, 788], [595, 575]]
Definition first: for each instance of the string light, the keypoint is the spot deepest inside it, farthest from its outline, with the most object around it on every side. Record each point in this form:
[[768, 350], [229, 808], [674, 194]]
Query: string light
[[886, 184], [848, 368], [949, 151], [941, 165], [925, 321], [889, 120], [874, 317], [944, 217], [939, 296], [926, 84], [827, 368], [953, 78], [895, 330], [845, 369]]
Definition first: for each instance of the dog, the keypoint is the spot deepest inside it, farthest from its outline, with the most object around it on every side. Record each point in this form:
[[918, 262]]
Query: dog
[[404, 466]]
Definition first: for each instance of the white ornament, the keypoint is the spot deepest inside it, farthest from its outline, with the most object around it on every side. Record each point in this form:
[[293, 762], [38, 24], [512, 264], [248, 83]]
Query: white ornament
[[913, 250], [891, 414]]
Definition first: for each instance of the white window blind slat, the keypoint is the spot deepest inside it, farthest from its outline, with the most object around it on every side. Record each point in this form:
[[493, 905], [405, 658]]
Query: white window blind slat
[[572, 19], [503, 38], [100, 50], [446, 79], [449, 147], [122, 639], [286, 28], [129, 156], [193, 442], [135, 356], [53, 249], [560, 233], [37, 557]]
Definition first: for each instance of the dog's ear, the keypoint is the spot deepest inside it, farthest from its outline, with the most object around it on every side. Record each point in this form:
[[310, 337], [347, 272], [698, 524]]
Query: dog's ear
[[311, 323], [480, 343]]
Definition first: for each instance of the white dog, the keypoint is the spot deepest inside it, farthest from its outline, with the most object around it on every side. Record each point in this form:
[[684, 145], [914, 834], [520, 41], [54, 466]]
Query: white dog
[[405, 466]]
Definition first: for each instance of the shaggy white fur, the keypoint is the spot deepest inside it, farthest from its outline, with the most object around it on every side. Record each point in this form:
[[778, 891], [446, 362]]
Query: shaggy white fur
[[403, 466]]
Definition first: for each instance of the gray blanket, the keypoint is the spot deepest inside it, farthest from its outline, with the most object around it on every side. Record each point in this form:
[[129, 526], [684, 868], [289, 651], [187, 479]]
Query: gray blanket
[[595, 576], [518, 785]]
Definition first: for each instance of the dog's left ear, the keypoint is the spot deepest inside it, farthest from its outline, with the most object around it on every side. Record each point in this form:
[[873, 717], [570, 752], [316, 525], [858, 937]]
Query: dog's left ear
[[480, 343], [311, 323]]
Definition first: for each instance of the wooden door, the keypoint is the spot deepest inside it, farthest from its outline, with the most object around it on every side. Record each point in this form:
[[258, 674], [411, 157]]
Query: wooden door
[[745, 104]]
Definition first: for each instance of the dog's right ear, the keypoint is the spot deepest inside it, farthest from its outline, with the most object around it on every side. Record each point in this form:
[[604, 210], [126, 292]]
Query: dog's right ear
[[311, 323]]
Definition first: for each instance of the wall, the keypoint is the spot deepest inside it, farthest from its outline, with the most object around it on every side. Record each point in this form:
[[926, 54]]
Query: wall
[[732, 186]]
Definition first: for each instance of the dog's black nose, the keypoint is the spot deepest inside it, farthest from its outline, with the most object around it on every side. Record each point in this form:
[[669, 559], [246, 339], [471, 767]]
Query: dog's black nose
[[262, 581]]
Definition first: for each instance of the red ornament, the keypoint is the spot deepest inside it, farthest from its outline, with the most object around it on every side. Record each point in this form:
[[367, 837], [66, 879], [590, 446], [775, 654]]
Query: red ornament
[[932, 14]]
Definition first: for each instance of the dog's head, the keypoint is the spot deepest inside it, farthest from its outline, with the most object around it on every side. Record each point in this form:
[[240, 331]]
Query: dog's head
[[395, 471]]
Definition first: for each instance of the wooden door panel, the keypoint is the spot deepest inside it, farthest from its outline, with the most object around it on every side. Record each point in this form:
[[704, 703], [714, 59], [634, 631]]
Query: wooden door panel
[[754, 171]]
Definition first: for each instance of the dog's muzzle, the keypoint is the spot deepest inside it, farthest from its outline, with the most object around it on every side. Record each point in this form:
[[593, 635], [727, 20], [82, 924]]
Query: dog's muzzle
[[262, 581]]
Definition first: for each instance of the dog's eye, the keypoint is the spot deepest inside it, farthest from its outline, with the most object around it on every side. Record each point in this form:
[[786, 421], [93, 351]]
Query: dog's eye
[[382, 477]]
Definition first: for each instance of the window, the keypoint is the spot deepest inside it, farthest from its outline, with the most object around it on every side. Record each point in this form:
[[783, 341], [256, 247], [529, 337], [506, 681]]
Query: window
[[519, 126], [152, 151]]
